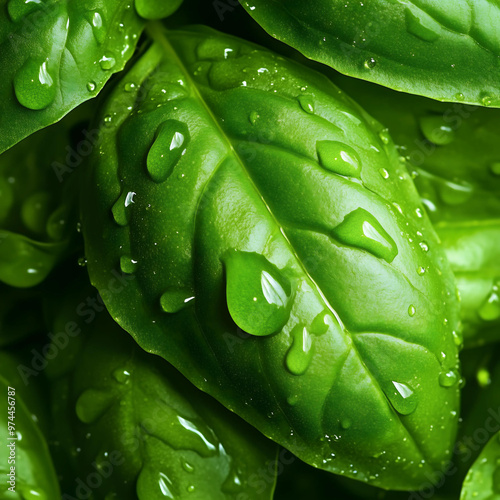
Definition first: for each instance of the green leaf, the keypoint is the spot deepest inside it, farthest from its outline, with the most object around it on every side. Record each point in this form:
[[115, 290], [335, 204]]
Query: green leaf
[[225, 237], [57, 54], [451, 151], [147, 433], [24, 443], [447, 50], [483, 479]]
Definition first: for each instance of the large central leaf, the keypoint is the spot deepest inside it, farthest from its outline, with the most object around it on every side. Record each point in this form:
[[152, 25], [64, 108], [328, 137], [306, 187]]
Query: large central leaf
[[248, 222]]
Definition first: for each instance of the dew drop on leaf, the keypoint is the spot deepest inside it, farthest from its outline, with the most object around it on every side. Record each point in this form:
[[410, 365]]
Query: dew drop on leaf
[[98, 27], [321, 323], [127, 264], [19, 9], [360, 229], [174, 300], [448, 378], [253, 117], [107, 62], [401, 397], [436, 130], [34, 86], [29, 493], [370, 63], [455, 194], [121, 375], [233, 483], [490, 309], [298, 357], [383, 173], [483, 377], [420, 26], [92, 404], [257, 293], [119, 209], [306, 103], [91, 86], [213, 49], [171, 140], [129, 87], [385, 136], [339, 158], [412, 311]]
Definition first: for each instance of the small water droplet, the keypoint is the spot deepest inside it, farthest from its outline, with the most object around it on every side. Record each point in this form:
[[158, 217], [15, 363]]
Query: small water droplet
[[107, 62], [299, 355], [360, 229], [120, 214], [486, 100], [436, 130], [214, 49], [254, 116], [490, 310], [339, 158], [34, 85], [232, 484], [421, 270], [422, 26], [412, 311], [257, 292], [174, 300], [130, 87], [187, 467], [401, 397], [127, 264], [384, 173], [459, 96], [457, 338], [385, 136], [82, 262], [91, 86], [293, 399], [121, 375], [370, 63], [171, 140], [448, 378], [98, 27], [419, 213], [306, 103]]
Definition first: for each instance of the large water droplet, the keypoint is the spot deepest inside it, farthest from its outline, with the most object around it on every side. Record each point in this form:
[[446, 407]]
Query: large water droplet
[[401, 396], [174, 300], [127, 264], [171, 140], [448, 378], [321, 323], [19, 9], [257, 292], [306, 103], [92, 404], [436, 130], [298, 357], [421, 26], [34, 86], [490, 310], [119, 209], [339, 158], [359, 228], [107, 62]]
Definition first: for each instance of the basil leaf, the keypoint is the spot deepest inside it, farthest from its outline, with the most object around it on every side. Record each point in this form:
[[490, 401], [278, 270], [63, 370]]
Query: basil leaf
[[253, 211], [142, 431], [57, 54], [452, 154], [447, 50]]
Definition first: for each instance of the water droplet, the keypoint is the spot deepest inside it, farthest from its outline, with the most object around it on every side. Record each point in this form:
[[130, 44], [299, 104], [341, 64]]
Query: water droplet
[[214, 49], [166, 486], [130, 87], [459, 96], [174, 300], [486, 100], [29, 493], [187, 434], [91, 86], [187, 467], [298, 357], [412, 311], [34, 86], [483, 377], [98, 28], [338, 158], [490, 310], [107, 62], [419, 213], [448, 378], [82, 262], [127, 264], [397, 206], [360, 229], [436, 130], [306, 103], [457, 338], [19, 9], [421, 270], [424, 246], [321, 323], [120, 214], [171, 139], [232, 484], [455, 194], [257, 292], [293, 399], [370, 63], [92, 404], [495, 168], [384, 173], [254, 116], [385, 136], [422, 26], [401, 396], [121, 375]]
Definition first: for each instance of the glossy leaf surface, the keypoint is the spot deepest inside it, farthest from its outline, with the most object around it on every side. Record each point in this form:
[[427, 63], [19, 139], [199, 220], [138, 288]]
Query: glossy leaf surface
[[150, 433], [447, 50], [242, 221], [55, 55], [451, 151]]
